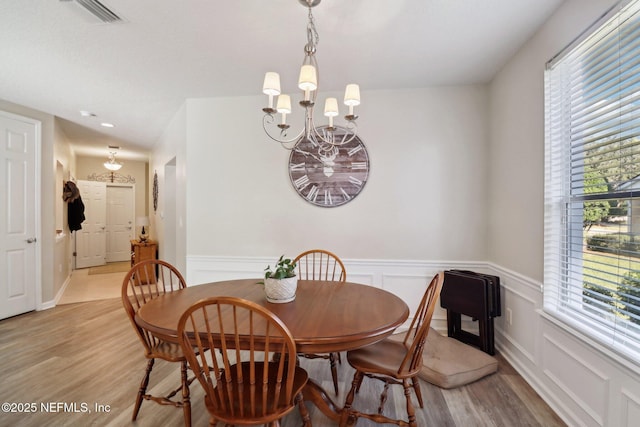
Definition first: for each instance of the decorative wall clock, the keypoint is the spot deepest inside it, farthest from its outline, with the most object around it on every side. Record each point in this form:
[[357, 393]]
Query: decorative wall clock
[[328, 175], [155, 191]]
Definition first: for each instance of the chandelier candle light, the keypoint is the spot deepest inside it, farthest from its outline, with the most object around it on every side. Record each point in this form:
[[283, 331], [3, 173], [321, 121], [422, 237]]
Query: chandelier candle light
[[308, 83]]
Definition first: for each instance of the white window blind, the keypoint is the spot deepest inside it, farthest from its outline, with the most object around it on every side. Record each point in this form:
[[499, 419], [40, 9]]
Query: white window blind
[[592, 183]]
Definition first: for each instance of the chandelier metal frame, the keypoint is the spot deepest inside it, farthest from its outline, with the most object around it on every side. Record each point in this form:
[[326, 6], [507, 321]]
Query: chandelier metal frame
[[327, 138]]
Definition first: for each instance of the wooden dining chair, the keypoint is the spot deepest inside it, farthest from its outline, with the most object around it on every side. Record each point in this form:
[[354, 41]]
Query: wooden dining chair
[[395, 362], [254, 378], [144, 282], [319, 264]]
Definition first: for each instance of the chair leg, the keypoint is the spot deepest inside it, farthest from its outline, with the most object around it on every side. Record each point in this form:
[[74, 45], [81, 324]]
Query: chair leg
[[416, 388], [143, 389], [334, 370], [410, 409], [304, 413], [355, 384], [346, 417], [359, 384], [186, 400], [383, 397]]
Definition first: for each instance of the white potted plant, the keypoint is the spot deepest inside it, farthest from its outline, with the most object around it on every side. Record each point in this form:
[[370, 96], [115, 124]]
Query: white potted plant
[[280, 284]]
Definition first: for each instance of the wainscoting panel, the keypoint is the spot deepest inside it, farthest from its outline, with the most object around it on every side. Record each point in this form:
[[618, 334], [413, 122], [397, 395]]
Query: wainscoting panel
[[630, 408], [518, 323], [576, 377], [406, 279]]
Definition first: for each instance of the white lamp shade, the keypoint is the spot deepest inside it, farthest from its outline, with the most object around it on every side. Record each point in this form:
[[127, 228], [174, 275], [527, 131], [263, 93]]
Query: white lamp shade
[[142, 221], [112, 166], [331, 107], [284, 104], [308, 79], [352, 95], [271, 84]]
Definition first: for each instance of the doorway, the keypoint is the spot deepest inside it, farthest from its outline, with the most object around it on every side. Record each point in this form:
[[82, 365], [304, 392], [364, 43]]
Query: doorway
[[20, 286], [169, 213], [120, 225], [109, 225]]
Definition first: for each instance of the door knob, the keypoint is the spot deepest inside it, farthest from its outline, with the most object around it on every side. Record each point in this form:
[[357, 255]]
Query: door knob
[[31, 240]]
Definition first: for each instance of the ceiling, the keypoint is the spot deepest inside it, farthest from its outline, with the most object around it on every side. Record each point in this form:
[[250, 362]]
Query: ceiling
[[60, 59]]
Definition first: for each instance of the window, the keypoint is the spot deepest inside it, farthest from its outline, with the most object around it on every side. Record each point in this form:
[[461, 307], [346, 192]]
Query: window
[[592, 183]]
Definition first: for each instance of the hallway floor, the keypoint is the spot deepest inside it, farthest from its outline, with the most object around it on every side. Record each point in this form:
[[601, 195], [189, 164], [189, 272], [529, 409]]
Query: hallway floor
[[91, 287]]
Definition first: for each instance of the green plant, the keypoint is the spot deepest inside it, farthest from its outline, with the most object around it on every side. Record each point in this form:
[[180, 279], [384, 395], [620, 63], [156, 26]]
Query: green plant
[[284, 268]]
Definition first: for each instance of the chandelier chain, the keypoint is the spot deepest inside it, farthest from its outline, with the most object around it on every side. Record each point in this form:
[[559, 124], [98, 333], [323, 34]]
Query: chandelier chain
[[312, 34]]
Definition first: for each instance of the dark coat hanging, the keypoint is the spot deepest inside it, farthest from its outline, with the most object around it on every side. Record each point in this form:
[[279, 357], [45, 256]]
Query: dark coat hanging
[[75, 207]]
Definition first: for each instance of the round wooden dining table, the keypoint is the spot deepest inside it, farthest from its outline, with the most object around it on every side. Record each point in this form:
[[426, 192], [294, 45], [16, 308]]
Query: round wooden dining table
[[324, 317]]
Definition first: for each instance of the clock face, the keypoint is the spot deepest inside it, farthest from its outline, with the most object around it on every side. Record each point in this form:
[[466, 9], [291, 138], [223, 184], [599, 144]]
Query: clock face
[[328, 176]]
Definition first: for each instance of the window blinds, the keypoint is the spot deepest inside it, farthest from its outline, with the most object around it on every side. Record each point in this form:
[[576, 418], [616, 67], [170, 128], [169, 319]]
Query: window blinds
[[592, 183]]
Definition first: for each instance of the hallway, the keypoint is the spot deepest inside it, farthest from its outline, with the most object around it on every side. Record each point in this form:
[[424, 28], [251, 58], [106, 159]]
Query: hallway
[[85, 287]]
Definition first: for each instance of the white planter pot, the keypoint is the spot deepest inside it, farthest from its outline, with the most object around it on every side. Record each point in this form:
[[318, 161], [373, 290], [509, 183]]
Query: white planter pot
[[281, 290]]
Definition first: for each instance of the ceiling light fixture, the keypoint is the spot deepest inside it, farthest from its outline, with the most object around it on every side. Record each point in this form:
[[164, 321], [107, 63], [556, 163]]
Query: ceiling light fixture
[[324, 136], [111, 164], [107, 125]]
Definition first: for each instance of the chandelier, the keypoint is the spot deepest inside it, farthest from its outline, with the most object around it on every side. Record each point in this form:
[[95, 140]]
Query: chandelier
[[327, 136], [111, 164]]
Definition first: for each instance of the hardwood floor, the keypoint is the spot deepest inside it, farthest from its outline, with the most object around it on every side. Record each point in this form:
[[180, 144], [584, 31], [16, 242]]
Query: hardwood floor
[[86, 354]]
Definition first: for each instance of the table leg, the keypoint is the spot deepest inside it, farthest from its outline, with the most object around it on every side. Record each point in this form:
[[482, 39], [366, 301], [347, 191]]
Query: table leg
[[315, 394]]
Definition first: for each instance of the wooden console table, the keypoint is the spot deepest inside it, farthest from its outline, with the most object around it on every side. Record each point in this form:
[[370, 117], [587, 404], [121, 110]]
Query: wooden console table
[[142, 251]]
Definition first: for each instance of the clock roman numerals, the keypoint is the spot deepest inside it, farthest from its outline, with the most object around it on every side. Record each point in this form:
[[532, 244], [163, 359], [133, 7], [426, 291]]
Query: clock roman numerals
[[298, 167], [355, 149], [355, 181], [313, 193], [301, 182], [346, 195], [327, 197], [359, 165]]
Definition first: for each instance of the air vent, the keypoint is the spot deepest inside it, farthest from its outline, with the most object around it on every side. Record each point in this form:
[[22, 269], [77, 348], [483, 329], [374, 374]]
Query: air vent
[[97, 9]]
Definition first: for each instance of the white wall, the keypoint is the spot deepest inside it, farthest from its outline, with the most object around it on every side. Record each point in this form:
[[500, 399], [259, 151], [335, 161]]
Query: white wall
[[425, 197], [583, 382], [172, 148], [63, 249]]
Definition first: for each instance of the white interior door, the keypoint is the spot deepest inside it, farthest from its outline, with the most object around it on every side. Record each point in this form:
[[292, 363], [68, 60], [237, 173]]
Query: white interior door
[[19, 263], [120, 222], [91, 243]]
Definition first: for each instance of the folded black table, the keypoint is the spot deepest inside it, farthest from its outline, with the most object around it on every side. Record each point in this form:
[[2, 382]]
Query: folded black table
[[472, 294]]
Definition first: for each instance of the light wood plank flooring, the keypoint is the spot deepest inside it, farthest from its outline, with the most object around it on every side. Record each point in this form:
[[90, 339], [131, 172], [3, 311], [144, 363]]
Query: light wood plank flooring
[[87, 354]]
